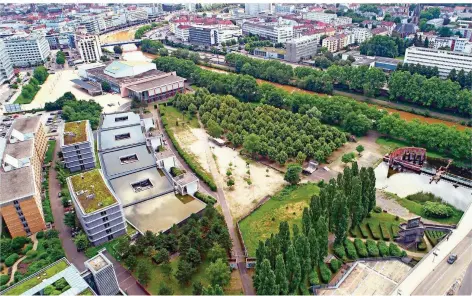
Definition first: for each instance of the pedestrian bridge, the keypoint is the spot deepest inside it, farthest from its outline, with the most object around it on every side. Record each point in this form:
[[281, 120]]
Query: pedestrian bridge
[[120, 43]]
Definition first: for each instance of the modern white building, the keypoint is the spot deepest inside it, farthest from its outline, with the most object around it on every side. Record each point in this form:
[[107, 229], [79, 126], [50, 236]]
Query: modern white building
[[27, 50], [276, 32], [443, 59], [89, 47], [361, 34], [93, 25], [301, 48], [138, 14], [341, 21], [228, 33], [321, 17], [6, 66], [256, 8], [182, 32], [284, 8]]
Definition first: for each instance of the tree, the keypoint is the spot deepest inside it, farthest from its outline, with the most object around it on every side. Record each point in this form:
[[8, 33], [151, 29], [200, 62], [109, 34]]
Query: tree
[[163, 52], [143, 272], [131, 262], [60, 58], [117, 49], [252, 144], [292, 175], [379, 45], [214, 129], [166, 269], [193, 257], [217, 252], [360, 149], [267, 286], [301, 157], [106, 86], [197, 288], [162, 256], [219, 273], [347, 157], [166, 290], [358, 124], [342, 219], [69, 220], [81, 241], [322, 233], [184, 244], [281, 275], [184, 271]]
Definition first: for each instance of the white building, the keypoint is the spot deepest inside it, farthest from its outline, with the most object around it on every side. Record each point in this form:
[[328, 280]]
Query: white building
[[182, 32], [93, 25], [256, 8], [462, 45], [6, 66], [228, 33], [321, 17], [284, 8], [301, 48], [361, 34], [27, 50], [341, 21], [89, 47], [138, 14], [443, 59], [438, 22], [276, 32], [115, 20]]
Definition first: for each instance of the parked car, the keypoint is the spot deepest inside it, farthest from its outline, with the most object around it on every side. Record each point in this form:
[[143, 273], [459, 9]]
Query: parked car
[[59, 194], [452, 258]]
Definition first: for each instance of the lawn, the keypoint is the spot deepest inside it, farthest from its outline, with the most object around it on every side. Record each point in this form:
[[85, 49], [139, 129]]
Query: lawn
[[173, 115], [385, 219], [286, 205], [417, 209], [50, 152], [392, 144]]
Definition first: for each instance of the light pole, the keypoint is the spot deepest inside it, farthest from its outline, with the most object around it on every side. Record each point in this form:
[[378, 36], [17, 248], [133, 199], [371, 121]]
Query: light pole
[[435, 254]]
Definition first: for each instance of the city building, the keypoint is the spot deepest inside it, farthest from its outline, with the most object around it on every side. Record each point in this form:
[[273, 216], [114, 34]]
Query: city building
[[284, 8], [336, 42], [182, 32], [27, 50], [301, 48], [99, 211], [138, 80], [321, 17], [89, 48], [6, 66], [77, 146], [257, 8], [382, 31], [203, 35], [22, 156], [103, 278], [341, 21], [443, 59], [274, 31], [437, 22], [229, 33], [361, 34], [136, 15], [94, 25]]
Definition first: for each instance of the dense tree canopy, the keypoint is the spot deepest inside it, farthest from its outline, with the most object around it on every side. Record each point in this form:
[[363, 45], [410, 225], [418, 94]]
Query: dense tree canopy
[[383, 46], [151, 46]]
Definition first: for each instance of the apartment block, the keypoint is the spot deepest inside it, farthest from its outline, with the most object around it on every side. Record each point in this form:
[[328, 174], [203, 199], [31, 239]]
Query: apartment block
[[361, 34], [136, 15], [341, 21], [6, 66], [89, 47], [321, 17], [27, 50], [99, 211], [301, 48], [103, 274], [77, 146], [257, 8], [337, 42], [443, 59], [22, 156], [274, 31]]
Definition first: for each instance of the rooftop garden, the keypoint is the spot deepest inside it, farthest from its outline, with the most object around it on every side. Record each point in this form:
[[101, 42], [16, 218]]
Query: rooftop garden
[[77, 132], [36, 280], [94, 192], [87, 292]]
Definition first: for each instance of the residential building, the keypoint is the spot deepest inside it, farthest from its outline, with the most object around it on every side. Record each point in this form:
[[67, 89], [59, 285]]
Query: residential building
[[437, 23], [443, 59], [321, 17], [138, 80], [89, 47], [228, 33], [341, 21], [203, 35], [390, 26], [275, 31], [93, 25], [284, 8], [6, 66], [27, 50], [23, 151], [382, 31], [336, 42], [136, 15], [301, 48], [403, 30], [99, 211], [182, 32], [77, 146], [257, 8], [361, 34]]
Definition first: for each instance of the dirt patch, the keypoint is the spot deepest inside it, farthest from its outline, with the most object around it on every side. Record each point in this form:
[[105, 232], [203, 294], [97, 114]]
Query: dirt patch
[[235, 286], [23, 267], [191, 141]]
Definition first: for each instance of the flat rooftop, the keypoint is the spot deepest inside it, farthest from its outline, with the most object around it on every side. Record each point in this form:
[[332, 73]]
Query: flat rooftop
[[20, 150], [27, 125], [117, 120], [16, 184], [97, 262], [99, 72], [164, 154], [139, 87], [121, 137], [127, 194], [91, 191], [126, 160], [86, 85], [75, 132], [185, 179], [170, 209]]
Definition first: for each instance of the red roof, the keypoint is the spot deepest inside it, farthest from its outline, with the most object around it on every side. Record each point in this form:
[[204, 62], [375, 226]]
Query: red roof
[[379, 30], [388, 24]]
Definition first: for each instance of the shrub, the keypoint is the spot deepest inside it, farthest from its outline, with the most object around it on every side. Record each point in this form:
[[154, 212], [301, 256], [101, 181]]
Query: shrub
[[377, 209], [437, 210], [304, 289], [372, 248], [18, 242], [208, 199], [384, 231], [364, 232], [352, 232], [4, 278], [11, 259], [350, 249], [40, 234], [422, 245], [335, 265], [395, 230], [325, 273], [26, 249], [394, 250], [31, 253], [374, 230], [360, 247], [339, 251], [383, 249], [52, 233], [314, 278], [434, 236], [175, 171]]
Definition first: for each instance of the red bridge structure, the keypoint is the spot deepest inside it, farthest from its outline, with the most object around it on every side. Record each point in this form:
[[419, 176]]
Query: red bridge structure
[[411, 158]]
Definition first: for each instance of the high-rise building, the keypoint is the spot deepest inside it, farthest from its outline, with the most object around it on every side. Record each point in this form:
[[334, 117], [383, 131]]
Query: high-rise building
[[256, 8], [6, 66], [89, 47], [93, 24], [27, 50], [301, 48], [77, 146], [103, 274], [203, 35]]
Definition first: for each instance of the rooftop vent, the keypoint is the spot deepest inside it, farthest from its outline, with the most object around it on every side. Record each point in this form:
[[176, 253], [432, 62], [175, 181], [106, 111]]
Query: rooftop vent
[[69, 134]]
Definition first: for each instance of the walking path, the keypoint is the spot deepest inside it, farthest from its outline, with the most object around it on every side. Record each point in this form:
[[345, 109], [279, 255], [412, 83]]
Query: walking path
[[15, 266]]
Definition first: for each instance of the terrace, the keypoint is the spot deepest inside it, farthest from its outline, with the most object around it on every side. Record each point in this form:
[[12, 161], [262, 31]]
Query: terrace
[[75, 132], [91, 191]]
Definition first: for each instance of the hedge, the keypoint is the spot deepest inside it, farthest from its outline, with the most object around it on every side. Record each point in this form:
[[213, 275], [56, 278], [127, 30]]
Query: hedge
[[422, 245], [339, 251], [208, 199], [304, 289], [383, 249], [374, 230], [335, 264], [4, 278], [207, 178], [434, 236], [384, 230], [314, 278], [360, 247], [11, 259], [325, 273], [364, 232], [350, 249], [372, 248], [352, 232], [394, 250], [395, 230]]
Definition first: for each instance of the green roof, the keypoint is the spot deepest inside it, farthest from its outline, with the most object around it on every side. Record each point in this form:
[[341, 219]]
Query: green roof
[[37, 278], [91, 191], [87, 292], [77, 132]]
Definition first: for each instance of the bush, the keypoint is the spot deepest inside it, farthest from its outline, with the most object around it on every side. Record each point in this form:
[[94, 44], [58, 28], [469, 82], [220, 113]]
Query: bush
[[40, 234], [377, 209], [335, 265], [437, 210], [372, 248], [384, 231], [26, 249], [4, 278], [360, 247], [434, 236], [11, 259], [339, 251], [352, 232], [350, 249], [52, 233], [364, 232], [383, 249], [374, 230], [394, 250], [422, 245], [325, 273], [175, 171], [18, 243], [208, 199], [314, 278], [395, 230]]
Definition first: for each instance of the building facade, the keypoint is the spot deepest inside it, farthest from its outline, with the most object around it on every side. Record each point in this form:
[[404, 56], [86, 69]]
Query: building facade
[[103, 273], [336, 42], [136, 15], [203, 35], [89, 48], [321, 17], [301, 48], [27, 50], [77, 146], [257, 8], [275, 32], [6, 66], [361, 34], [443, 59]]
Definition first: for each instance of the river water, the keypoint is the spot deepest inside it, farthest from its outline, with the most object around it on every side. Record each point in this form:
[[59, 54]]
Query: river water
[[403, 184]]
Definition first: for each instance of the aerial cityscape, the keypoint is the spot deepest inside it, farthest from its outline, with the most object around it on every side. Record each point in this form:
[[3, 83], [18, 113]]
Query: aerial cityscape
[[261, 148]]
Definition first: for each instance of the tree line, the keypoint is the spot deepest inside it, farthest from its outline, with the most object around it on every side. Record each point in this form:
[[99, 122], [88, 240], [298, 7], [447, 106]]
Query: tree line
[[355, 117], [288, 259], [29, 91]]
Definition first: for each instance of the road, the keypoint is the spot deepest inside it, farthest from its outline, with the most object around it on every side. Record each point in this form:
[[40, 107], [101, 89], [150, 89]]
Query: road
[[466, 287], [445, 275]]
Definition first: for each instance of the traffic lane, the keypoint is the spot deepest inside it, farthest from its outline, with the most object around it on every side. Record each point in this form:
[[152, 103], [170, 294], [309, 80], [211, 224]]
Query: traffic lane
[[445, 275], [466, 286]]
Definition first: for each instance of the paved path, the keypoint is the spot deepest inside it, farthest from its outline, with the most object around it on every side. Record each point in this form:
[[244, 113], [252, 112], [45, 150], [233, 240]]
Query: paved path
[[15, 266]]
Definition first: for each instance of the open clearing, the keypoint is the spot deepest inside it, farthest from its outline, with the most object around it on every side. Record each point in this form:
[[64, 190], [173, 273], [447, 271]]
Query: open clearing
[[369, 278]]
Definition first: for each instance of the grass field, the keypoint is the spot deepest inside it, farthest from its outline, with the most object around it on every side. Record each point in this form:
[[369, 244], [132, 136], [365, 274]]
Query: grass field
[[417, 209], [173, 115], [286, 205], [50, 152]]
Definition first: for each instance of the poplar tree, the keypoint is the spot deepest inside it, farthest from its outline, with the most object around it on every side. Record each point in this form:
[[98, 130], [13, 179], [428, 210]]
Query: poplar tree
[[357, 207], [284, 236], [314, 246], [306, 220], [281, 275], [322, 234], [371, 189]]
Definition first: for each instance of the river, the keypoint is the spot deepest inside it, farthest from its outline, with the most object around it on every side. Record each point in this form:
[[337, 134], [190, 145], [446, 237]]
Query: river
[[403, 184]]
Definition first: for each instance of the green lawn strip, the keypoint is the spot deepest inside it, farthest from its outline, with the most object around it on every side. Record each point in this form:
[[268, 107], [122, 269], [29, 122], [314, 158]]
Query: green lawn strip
[[364, 232], [374, 230], [417, 209], [375, 220], [92, 251], [283, 207], [385, 232], [395, 229], [50, 152], [173, 114]]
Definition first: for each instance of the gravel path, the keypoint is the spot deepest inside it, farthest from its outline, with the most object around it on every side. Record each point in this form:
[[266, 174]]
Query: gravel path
[[15, 266]]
